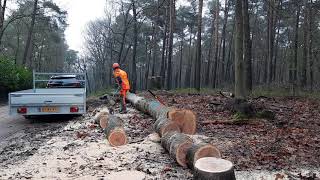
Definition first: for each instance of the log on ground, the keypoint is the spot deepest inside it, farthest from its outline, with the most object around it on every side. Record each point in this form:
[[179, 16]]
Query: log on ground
[[209, 168], [177, 144], [115, 132], [97, 117], [185, 119], [201, 150], [164, 125]]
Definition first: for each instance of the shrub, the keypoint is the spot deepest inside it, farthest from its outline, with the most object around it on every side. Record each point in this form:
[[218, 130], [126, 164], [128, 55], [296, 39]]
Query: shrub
[[14, 77]]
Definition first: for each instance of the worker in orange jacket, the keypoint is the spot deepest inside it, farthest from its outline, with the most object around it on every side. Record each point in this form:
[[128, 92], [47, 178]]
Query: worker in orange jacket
[[122, 80]]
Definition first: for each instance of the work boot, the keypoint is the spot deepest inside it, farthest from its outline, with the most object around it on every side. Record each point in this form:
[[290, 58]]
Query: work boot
[[123, 109]]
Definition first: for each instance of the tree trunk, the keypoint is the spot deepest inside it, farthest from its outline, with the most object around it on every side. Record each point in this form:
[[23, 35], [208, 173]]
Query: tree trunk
[[295, 59], [135, 44], [223, 37], [27, 52], [164, 125], [170, 46], [177, 145], [306, 40], [240, 91], [185, 119], [209, 168], [216, 51], [247, 44], [115, 132], [164, 45], [2, 15], [181, 58], [199, 53], [310, 53], [188, 74]]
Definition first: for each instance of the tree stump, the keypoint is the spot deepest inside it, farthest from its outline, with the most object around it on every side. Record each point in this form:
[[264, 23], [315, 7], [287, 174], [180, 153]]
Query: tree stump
[[211, 168], [177, 144], [115, 132], [201, 150], [164, 125]]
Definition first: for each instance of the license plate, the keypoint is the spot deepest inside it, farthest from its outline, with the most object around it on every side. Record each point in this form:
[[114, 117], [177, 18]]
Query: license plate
[[49, 109]]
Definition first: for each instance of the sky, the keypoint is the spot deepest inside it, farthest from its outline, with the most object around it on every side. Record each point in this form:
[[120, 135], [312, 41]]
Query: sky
[[80, 12]]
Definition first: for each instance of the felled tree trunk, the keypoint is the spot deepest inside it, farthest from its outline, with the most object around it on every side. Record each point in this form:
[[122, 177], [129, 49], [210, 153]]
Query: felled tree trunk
[[177, 145], [185, 119], [97, 117], [209, 168], [164, 125], [201, 150], [115, 132]]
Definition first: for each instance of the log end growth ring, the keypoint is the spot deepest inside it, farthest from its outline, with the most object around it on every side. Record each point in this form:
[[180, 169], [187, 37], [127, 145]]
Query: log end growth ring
[[213, 168], [117, 137], [207, 150], [186, 119], [213, 165], [182, 153]]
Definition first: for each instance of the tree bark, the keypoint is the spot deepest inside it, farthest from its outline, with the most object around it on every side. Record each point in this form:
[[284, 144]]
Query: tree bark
[[115, 132], [135, 44], [240, 91], [170, 46], [3, 7], [185, 119], [164, 125], [177, 145], [28, 50], [223, 37], [247, 44], [199, 53], [216, 51]]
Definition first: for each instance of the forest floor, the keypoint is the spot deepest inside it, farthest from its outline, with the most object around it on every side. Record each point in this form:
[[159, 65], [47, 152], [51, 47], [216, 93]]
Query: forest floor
[[287, 147]]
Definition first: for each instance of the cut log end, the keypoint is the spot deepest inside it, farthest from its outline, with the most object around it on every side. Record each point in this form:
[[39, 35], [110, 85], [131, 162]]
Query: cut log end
[[186, 120], [201, 150], [103, 121], [177, 145], [117, 137], [213, 168], [181, 153]]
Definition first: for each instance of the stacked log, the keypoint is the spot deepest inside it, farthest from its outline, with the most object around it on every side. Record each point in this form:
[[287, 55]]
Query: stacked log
[[185, 119], [213, 168]]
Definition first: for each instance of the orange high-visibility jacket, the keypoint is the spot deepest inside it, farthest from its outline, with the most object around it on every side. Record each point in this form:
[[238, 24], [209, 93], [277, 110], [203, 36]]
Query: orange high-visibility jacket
[[118, 73]]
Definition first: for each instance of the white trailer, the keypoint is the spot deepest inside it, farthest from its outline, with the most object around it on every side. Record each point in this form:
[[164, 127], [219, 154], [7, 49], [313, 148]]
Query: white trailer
[[49, 101]]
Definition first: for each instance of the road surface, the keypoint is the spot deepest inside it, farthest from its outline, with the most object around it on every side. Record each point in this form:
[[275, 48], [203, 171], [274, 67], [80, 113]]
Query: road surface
[[10, 125]]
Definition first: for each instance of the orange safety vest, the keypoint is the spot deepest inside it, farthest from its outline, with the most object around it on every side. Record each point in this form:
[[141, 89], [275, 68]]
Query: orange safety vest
[[124, 78]]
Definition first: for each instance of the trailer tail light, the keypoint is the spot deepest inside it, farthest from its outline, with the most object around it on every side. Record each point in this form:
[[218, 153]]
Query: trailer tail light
[[22, 110], [74, 109]]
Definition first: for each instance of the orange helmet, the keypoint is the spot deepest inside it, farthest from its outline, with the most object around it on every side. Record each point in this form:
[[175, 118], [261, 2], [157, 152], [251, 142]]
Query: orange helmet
[[115, 65]]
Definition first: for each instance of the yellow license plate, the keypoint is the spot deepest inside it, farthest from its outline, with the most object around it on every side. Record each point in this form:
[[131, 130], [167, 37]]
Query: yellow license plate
[[49, 109]]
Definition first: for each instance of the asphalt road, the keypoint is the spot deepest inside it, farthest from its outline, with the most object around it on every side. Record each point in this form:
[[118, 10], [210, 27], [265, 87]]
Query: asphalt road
[[10, 125]]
